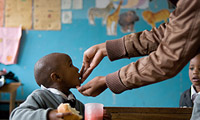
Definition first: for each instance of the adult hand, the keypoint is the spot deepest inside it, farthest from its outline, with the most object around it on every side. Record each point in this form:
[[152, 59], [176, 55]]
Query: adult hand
[[91, 58], [54, 115], [94, 87]]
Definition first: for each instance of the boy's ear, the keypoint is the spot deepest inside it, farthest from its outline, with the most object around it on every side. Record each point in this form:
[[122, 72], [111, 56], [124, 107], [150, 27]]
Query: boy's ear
[[55, 77]]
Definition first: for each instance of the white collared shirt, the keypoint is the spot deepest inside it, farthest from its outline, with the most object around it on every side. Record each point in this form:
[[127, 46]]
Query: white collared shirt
[[55, 91], [193, 93]]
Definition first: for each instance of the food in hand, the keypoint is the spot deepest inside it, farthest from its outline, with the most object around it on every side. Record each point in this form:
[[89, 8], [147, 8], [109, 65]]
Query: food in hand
[[65, 107]]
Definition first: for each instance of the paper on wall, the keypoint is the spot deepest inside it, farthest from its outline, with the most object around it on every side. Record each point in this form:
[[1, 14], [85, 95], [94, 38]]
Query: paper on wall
[[77, 4], [47, 15], [1, 12], [9, 44], [66, 4], [67, 17], [18, 13], [135, 4]]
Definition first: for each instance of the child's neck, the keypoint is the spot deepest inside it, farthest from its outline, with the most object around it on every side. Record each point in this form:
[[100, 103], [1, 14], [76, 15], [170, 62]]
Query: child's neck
[[63, 90], [197, 88], [66, 92]]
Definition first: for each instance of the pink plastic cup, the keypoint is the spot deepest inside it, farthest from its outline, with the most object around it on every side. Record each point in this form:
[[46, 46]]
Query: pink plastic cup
[[93, 111]]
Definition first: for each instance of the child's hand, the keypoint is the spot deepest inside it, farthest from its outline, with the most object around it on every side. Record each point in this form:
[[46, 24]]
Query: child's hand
[[54, 115], [107, 115]]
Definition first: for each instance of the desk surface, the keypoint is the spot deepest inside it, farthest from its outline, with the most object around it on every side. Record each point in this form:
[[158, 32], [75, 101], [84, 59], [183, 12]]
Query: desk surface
[[148, 113], [12, 87]]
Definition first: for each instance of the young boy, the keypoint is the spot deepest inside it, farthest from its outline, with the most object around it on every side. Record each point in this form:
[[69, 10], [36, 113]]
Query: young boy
[[55, 74], [187, 98]]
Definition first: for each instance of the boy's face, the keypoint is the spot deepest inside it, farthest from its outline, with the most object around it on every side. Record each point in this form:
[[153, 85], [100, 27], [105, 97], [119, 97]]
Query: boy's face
[[69, 73], [194, 70]]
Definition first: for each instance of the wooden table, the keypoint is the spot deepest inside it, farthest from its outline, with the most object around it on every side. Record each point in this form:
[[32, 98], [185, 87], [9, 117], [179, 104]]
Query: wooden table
[[149, 113], [11, 89]]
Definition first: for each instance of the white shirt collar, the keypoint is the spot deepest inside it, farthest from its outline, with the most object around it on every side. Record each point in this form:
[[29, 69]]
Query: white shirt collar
[[55, 91], [193, 91]]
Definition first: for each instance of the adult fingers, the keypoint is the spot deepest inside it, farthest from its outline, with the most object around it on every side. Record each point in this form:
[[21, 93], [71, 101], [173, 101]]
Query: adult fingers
[[88, 56], [82, 71], [88, 90], [85, 75], [96, 60], [85, 90], [85, 72], [81, 89]]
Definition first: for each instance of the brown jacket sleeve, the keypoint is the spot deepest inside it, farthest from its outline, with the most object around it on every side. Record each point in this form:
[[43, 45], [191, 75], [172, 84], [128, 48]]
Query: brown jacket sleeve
[[138, 44], [170, 47]]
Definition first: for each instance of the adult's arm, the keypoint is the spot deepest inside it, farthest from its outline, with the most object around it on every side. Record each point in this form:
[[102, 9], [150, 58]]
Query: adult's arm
[[170, 48], [135, 44]]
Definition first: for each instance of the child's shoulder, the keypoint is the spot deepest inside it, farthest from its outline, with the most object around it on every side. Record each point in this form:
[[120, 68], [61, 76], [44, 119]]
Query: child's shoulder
[[39, 92], [186, 92]]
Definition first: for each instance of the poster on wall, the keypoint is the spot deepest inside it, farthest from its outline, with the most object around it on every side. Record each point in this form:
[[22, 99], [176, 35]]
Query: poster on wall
[[112, 20], [111, 14], [66, 4], [47, 15], [153, 17], [1, 12], [67, 17], [98, 12], [136, 4], [127, 21], [18, 13], [9, 44], [77, 4]]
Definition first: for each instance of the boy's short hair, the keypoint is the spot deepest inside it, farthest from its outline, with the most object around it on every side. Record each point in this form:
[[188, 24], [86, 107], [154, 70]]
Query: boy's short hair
[[44, 67]]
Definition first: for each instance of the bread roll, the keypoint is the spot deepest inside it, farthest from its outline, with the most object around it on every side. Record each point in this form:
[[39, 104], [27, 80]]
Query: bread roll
[[63, 108]]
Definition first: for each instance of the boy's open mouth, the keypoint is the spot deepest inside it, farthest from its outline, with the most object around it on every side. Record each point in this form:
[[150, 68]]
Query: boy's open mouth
[[195, 79]]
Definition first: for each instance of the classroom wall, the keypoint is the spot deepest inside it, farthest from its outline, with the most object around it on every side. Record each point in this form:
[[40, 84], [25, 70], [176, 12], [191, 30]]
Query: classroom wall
[[74, 39]]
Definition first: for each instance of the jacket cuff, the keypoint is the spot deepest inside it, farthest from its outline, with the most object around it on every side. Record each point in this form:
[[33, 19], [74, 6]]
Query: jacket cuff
[[115, 49], [114, 83], [44, 115]]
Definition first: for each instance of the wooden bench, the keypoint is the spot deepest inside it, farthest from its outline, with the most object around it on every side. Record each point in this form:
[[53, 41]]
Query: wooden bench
[[146, 113]]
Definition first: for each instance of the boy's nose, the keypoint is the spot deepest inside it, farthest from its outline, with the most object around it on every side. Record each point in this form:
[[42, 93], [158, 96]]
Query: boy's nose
[[196, 71]]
